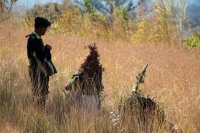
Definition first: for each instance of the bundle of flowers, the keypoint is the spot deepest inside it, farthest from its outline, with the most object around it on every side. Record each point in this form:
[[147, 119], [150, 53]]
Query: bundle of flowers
[[88, 79]]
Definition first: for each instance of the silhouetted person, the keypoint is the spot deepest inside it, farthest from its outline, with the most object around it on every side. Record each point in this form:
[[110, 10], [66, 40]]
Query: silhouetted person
[[40, 65]]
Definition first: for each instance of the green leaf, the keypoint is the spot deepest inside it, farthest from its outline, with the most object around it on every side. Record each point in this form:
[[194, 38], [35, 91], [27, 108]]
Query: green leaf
[[142, 81]]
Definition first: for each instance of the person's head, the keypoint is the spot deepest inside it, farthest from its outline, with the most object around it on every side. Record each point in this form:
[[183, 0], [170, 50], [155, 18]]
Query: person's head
[[41, 25]]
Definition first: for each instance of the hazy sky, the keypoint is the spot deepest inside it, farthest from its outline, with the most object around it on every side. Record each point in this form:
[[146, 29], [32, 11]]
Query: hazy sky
[[30, 3], [194, 1]]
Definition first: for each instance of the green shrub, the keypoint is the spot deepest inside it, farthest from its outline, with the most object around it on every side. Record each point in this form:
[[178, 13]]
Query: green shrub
[[194, 41]]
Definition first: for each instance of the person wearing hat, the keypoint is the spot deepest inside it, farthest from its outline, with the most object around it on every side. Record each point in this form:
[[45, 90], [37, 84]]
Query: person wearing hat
[[40, 64]]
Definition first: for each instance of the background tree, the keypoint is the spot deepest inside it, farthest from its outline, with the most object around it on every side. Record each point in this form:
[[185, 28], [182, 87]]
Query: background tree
[[193, 15], [50, 11], [5, 8], [108, 6]]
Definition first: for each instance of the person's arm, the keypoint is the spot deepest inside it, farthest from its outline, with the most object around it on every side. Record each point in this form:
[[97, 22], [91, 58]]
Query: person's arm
[[49, 54], [41, 52]]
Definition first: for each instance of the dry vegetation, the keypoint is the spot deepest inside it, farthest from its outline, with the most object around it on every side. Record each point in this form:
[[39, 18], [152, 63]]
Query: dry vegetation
[[172, 78]]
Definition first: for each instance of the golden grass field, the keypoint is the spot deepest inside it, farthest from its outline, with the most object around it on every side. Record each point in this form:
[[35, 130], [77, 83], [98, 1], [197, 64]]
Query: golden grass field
[[173, 79]]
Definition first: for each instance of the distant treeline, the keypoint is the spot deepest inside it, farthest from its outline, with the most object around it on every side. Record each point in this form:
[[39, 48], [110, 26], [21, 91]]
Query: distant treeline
[[53, 10]]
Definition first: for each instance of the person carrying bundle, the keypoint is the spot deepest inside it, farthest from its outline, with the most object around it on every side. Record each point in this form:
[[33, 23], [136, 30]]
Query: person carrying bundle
[[40, 64], [86, 85]]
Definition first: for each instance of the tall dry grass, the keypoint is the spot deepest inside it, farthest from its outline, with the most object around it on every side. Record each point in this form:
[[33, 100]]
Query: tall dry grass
[[172, 79]]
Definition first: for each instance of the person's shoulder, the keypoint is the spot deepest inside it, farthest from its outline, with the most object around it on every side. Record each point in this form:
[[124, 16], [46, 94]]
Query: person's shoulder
[[32, 36]]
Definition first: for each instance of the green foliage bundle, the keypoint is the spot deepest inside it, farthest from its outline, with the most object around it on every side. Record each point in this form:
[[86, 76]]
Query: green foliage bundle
[[143, 109]]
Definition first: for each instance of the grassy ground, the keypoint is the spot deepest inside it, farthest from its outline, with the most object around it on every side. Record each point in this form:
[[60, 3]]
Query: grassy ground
[[172, 79]]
